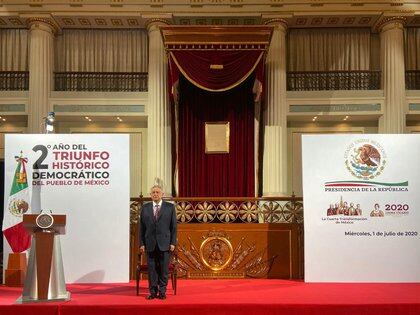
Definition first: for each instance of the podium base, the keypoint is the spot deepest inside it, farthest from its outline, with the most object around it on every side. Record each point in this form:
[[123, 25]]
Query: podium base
[[16, 270], [62, 298], [14, 277]]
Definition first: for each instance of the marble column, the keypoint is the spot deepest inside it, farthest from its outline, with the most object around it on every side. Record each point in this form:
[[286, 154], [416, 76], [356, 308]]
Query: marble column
[[159, 153], [275, 114], [41, 57], [393, 76]]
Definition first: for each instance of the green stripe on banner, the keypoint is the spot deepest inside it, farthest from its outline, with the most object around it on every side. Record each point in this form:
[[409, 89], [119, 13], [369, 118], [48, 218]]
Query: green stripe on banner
[[366, 182]]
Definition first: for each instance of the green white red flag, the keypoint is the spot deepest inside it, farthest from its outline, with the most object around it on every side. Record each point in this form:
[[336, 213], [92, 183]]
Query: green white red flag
[[17, 204]]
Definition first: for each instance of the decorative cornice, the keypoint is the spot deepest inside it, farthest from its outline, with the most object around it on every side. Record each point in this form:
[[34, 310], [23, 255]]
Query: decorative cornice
[[36, 20], [401, 20], [150, 22], [179, 37], [217, 46]]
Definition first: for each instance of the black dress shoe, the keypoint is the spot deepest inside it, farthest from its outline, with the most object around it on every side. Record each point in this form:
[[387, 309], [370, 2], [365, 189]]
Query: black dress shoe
[[151, 297], [162, 297]]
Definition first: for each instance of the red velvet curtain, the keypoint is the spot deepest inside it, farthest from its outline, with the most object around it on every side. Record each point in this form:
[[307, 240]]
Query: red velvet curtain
[[216, 175], [217, 70]]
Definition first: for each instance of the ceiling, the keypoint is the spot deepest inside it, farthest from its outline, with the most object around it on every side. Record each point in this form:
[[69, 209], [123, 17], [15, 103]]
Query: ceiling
[[135, 13]]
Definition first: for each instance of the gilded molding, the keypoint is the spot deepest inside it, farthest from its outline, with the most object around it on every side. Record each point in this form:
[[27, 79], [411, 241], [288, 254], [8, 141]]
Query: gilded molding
[[277, 21], [150, 22], [217, 46], [399, 21], [36, 20]]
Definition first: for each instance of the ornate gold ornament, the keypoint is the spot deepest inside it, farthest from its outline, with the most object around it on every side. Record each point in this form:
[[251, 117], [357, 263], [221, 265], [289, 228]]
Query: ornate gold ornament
[[216, 252], [293, 212], [227, 212], [267, 211], [205, 212], [248, 212], [272, 212], [217, 257], [399, 21], [184, 212], [150, 22], [37, 21]]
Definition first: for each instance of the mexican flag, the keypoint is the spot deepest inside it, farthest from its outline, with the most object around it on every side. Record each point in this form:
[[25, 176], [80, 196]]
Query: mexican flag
[[17, 204]]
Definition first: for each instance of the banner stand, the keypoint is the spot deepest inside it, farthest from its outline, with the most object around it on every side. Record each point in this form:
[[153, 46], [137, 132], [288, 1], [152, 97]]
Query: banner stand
[[83, 176], [361, 201]]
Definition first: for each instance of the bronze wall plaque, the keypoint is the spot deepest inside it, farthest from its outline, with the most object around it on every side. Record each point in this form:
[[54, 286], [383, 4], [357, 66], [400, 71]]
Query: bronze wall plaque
[[217, 137]]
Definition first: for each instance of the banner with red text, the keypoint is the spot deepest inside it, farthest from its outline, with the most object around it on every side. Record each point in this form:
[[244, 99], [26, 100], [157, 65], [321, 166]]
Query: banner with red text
[[86, 177], [361, 208]]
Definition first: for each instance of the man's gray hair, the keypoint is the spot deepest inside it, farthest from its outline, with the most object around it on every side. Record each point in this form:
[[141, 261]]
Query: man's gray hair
[[156, 186], [157, 183]]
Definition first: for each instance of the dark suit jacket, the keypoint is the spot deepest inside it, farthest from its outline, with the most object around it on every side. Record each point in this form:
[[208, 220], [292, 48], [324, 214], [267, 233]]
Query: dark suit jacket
[[161, 232]]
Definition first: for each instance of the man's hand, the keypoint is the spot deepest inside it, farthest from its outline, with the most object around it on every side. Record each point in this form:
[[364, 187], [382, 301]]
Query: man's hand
[[141, 249], [172, 248]]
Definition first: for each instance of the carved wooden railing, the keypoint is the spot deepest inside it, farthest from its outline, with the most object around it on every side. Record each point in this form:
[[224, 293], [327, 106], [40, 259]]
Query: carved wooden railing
[[277, 210], [14, 80], [230, 209], [412, 80], [101, 81], [333, 80]]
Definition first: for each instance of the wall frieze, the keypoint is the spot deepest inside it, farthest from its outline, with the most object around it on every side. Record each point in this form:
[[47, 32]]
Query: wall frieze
[[134, 13]]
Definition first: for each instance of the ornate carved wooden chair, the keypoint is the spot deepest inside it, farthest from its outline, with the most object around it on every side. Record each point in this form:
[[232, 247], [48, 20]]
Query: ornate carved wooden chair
[[173, 270]]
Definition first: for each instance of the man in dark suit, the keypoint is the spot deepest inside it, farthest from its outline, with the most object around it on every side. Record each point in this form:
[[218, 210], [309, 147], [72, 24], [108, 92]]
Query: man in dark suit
[[158, 239]]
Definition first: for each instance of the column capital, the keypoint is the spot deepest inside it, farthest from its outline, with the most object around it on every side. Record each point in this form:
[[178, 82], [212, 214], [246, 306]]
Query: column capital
[[42, 23], [153, 23], [279, 23], [391, 22]]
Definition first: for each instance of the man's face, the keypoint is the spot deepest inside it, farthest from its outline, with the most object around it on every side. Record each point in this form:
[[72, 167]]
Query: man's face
[[156, 193]]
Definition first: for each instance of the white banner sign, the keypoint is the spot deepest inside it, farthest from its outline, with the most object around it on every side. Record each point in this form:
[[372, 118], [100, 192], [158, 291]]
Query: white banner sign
[[361, 208], [85, 177]]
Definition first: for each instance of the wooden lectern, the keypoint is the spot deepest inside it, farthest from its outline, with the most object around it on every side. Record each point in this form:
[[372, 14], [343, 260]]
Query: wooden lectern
[[45, 274]]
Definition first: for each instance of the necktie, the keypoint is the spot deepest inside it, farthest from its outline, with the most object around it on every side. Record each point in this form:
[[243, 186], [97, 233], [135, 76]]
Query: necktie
[[157, 208]]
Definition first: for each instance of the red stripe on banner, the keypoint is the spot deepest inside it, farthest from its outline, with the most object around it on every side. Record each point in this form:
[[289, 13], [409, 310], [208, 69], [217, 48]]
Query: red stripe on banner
[[17, 237], [348, 185]]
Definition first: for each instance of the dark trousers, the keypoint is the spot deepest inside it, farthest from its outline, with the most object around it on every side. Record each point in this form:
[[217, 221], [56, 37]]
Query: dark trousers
[[158, 269]]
